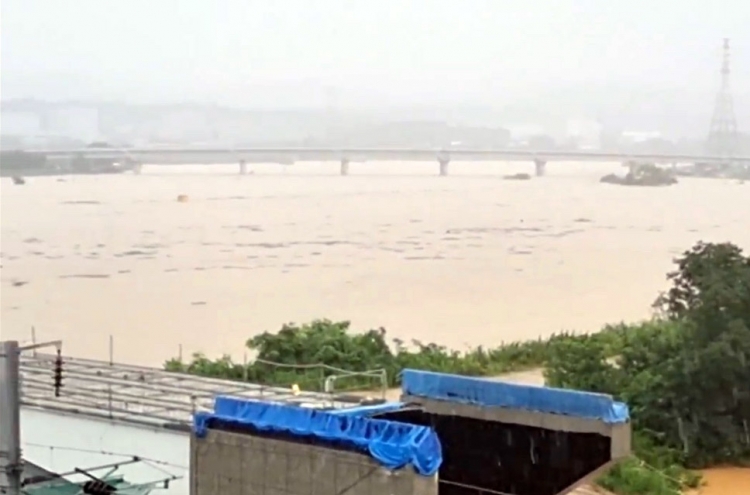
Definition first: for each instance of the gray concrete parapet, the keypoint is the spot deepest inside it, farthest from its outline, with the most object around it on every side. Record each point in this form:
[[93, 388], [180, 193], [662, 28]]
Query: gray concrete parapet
[[225, 463]]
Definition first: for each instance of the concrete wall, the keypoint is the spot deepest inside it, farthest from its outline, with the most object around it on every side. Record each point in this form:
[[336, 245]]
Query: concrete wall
[[619, 433], [224, 463]]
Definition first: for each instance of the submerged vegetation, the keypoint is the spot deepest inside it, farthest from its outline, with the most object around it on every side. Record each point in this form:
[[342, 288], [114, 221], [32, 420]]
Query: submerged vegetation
[[716, 171], [517, 177], [646, 174], [685, 374]]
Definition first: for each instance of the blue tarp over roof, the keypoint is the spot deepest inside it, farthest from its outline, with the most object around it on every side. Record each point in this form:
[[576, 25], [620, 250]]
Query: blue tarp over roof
[[483, 392], [392, 444]]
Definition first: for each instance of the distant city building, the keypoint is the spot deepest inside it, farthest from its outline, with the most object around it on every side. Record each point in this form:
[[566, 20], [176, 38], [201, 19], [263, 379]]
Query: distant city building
[[72, 122], [585, 133], [542, 142], [522, 133], [50, 128], [182, 125], [639, 136]]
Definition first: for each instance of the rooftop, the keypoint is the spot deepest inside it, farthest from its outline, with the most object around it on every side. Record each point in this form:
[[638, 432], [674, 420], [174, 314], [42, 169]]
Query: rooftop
[[153, 396], [146, 395]]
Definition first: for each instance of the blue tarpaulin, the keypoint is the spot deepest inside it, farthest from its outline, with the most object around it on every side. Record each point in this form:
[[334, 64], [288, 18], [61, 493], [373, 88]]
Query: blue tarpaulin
[[392, 444], [483, 392]]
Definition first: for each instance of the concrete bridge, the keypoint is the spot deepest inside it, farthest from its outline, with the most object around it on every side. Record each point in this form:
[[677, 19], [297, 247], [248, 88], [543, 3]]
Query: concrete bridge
[[245, 156]]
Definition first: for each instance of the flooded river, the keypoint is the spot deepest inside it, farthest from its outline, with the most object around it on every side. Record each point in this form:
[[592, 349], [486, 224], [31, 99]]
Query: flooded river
[[462, 260]]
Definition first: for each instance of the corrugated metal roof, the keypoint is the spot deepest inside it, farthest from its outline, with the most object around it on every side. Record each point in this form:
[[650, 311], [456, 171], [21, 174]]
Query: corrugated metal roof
[[145, 395]]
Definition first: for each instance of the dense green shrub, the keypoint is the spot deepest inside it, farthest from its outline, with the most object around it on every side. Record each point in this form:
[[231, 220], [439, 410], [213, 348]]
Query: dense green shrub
[[306, 354], [635, 477]]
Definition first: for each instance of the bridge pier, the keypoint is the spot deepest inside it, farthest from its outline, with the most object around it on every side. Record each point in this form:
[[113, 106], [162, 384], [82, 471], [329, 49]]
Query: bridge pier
[[443, 162], [540, 167], [344, 166], [243, 167]]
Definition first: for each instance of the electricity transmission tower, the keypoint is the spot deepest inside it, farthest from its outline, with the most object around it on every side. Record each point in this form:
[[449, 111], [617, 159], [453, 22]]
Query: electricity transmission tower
[[722, 137]]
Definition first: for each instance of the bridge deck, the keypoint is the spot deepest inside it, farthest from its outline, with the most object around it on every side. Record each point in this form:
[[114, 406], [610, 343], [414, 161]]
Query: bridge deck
[[291, 155], [141, 394]]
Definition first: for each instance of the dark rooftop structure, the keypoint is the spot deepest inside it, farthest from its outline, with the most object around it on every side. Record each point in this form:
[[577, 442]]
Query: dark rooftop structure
[[449, 435]]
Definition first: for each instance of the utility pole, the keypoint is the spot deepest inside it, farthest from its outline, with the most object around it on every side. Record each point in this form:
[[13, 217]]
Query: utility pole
[[10, 419], [722, 137], [11, 463]]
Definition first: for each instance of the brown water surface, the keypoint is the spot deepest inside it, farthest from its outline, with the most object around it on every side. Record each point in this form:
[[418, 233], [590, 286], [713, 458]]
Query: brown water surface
[[462, 260], [726, 481]]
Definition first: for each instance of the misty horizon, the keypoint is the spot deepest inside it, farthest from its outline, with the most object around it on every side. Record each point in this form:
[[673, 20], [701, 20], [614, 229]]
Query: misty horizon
[[393, 54]]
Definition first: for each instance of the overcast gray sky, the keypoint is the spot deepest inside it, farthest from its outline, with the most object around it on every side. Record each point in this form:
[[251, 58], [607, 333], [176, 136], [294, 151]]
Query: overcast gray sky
[[363, 52]]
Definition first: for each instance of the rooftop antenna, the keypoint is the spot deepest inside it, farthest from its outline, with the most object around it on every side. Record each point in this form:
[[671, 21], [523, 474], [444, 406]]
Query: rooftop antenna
[[722, 137]]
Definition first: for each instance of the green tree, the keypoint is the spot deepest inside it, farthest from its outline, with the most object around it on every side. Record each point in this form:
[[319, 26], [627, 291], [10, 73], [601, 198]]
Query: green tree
[[685, 376], [710, 295]]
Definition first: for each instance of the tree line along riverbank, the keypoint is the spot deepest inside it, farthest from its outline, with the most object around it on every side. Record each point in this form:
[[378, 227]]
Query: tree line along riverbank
[[685, 374]]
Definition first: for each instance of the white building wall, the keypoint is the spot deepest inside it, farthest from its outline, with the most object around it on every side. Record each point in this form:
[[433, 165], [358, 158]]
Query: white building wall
[[60, 442], [523, 132], [640, 136], [586, 132]]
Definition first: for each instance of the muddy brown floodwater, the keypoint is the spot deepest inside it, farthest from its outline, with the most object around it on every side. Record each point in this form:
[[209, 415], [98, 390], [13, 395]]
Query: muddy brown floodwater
[[726, 481], [465, 260]]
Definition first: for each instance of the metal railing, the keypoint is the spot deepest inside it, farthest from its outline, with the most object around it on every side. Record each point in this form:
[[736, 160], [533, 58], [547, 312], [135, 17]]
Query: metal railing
[[149, 395]]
